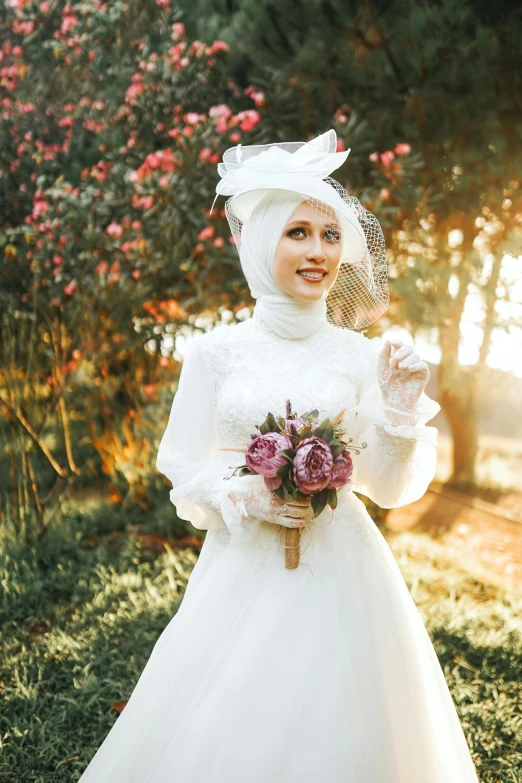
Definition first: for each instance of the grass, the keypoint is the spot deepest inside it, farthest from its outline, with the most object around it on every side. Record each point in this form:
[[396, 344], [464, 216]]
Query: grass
[[80, 615]]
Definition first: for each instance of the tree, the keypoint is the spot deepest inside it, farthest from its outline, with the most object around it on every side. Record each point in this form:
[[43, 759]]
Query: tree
[[445, 78]]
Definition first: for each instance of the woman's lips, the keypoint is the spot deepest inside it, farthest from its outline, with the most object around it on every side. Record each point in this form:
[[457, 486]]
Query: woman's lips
[[312, 279]]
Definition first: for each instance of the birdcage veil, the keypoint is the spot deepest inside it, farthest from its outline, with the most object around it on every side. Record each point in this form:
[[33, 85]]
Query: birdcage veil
[[360, 294]]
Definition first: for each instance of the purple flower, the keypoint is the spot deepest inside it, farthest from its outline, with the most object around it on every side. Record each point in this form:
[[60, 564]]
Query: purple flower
[[292, 426], [264, 453], [342, 470], [312, 466]]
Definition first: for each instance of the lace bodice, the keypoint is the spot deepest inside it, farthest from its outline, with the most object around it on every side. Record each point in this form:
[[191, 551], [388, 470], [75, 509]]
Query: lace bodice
[[234, 375], [256, 371]]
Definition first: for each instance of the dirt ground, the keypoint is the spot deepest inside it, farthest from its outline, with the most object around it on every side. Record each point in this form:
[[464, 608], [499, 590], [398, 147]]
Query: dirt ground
[[485, 537]]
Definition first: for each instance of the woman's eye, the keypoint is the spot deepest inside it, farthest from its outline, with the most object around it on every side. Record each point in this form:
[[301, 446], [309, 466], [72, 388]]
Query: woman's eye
[[330, 234], [334, 235]]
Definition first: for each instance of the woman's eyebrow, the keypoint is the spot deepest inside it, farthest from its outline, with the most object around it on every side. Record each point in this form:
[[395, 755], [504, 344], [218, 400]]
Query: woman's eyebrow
[[307, 223]]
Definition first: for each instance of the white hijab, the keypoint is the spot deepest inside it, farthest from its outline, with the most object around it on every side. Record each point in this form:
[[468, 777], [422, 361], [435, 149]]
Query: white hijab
[[260, 234]]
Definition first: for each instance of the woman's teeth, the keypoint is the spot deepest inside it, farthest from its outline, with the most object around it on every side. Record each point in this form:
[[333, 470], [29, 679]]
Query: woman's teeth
[[312, 275]]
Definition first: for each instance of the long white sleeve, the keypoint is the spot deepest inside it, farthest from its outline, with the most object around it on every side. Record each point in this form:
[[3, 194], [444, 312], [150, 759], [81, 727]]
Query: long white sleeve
[[187, 454], [399, 461]]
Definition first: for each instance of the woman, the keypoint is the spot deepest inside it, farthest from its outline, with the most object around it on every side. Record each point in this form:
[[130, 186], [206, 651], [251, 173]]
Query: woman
[[324, 672]]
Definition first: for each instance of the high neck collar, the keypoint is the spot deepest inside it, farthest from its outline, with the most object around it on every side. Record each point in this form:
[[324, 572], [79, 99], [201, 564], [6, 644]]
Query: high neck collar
[[290, 318]]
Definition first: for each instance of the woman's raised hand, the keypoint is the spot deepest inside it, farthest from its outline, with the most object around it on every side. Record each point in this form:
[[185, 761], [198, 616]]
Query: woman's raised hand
[[402, 378]]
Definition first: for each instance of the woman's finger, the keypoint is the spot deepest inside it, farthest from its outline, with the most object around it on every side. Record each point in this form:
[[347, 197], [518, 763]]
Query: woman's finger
[[401, 353], [409, 360], [419, 367]]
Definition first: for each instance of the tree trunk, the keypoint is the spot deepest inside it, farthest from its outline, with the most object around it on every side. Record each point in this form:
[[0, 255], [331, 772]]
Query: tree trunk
[[459, 404], [458, 400]]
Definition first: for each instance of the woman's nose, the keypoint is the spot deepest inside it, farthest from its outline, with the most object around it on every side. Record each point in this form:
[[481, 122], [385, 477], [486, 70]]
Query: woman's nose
[[315, 250]]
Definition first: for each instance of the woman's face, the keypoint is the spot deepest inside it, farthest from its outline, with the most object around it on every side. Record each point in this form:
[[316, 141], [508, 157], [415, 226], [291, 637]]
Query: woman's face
[[308, 242]]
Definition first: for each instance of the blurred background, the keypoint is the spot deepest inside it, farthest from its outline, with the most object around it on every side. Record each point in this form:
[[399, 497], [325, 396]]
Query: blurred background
[[113, 118]]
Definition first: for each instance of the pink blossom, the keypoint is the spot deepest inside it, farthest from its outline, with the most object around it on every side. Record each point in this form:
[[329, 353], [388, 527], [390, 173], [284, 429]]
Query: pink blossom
[[220, 110], [57, 259], [387, 157], [384, 194], [193, 118], [341, 471], [248, 119], [402, 149], [70, 288], [257, 96], [374, 157], [206, 233], [219, 242], [218, 46], [235, 137], [312, 466], [340, 116], [264, 454], [114, 229], [340, 145], [178, 30]]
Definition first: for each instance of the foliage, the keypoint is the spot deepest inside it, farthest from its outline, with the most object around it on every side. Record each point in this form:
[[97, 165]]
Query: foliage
[[112, 126], [443, 77]]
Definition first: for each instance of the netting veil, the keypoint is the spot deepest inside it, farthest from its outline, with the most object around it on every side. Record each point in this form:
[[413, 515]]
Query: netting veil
[[360, 294]]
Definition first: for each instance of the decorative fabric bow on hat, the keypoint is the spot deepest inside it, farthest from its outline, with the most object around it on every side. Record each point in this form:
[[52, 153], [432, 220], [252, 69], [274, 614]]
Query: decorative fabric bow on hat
[[262, 166]]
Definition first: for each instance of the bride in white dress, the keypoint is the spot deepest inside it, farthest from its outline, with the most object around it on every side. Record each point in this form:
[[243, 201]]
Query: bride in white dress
[[324, 673]]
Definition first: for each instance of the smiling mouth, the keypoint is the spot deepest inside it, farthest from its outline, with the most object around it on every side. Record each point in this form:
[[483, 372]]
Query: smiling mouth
[[312, 276]]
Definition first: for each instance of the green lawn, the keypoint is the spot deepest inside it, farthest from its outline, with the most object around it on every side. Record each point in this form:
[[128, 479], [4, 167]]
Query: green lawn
[[80, 616]]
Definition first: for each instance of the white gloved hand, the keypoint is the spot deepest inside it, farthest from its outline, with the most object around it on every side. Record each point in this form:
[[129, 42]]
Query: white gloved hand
[[260, 502], [402, 380]]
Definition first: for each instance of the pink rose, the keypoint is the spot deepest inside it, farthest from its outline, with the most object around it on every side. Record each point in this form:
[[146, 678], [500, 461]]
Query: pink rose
[[342, 470], [312, 465], [264, 453]]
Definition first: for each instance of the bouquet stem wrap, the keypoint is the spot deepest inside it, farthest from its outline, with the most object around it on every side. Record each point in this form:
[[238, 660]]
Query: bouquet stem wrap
[[292, 547]]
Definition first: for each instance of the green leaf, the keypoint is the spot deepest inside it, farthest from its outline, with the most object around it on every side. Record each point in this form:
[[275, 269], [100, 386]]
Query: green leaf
[[288, 485], [284, 470], [319, 501], [280, 492], [336, 448], [270, 424], [332, 497], [324, 431]]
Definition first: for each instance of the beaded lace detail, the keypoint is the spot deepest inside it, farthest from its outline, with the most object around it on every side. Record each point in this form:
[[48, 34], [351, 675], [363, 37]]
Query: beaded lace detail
[[247, 357]]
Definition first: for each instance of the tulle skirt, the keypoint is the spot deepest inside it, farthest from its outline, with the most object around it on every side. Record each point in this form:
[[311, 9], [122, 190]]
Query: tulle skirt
[[323, 674]]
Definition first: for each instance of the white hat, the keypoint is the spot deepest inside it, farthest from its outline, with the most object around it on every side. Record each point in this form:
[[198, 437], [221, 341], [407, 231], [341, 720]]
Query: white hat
[[360, 294]]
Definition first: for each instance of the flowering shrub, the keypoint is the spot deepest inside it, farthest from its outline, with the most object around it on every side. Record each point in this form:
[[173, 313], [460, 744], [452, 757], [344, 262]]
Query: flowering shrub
[[107, 160]]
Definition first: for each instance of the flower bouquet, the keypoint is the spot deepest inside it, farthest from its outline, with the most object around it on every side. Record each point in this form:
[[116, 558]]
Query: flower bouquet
[[300, 458]]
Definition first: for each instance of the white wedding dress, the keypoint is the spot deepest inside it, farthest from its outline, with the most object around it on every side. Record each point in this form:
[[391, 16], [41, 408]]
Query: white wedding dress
[[322, 674]]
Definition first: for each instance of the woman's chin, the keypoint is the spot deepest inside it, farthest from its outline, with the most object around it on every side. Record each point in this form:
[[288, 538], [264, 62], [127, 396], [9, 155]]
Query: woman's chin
[[310, 294]]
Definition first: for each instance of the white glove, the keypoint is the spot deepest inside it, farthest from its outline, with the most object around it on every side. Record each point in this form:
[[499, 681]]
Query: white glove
[[402, 380], [260, 502]]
